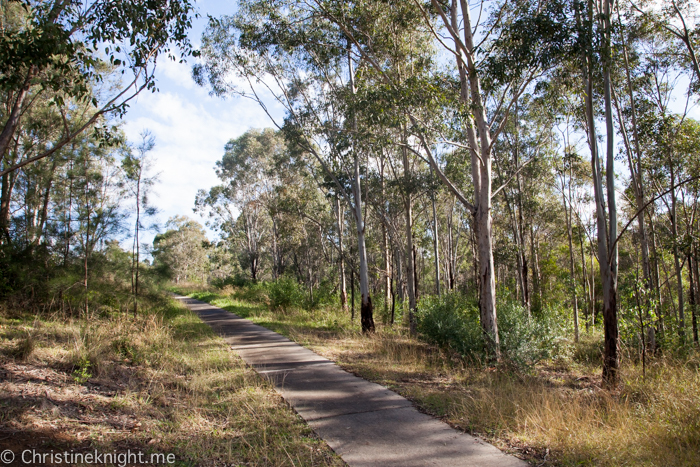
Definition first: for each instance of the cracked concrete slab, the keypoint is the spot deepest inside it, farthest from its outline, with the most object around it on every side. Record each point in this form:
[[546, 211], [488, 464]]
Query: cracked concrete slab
[[364, 422]]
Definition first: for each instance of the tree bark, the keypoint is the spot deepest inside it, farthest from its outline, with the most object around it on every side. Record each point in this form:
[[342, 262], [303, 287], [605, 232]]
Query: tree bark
[[387, 279], [637, 172], [584, 278], [692, 297], [352, 294], [341, 255], [676, 256], [696, 285], [657, 278], [15, 113], [410, 263], [436, 249], [481, 158], [45, 207], [8, 184], [609, 260], [569, 233], [366, 315]]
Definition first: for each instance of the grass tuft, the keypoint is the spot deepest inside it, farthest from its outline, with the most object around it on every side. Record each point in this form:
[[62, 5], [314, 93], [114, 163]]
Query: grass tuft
[[23, 348], [163, 382], [553, 414]]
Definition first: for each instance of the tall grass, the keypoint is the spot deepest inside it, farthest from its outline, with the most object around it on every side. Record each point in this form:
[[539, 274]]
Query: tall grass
[[175, 387], [547, 408]]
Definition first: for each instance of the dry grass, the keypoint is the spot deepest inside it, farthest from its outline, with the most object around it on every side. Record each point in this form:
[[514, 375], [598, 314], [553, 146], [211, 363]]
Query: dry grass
[[556, 415], [163, 383]]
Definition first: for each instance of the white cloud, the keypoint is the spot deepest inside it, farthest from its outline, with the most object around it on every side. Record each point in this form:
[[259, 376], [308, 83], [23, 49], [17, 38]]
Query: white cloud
[[191, 129]]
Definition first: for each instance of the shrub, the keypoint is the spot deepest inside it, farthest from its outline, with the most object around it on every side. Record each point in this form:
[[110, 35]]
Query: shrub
[[285, 293], [589, 350], [81, 370], [237, 280], [252, 292], [452, 321], [324, 294], [525, 341]]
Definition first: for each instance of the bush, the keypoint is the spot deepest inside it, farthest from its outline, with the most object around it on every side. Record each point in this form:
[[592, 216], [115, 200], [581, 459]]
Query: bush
[[452, 321], [285, 293], [237, 280], [324, 294], [525, 341], [254, 292], [589, 350]]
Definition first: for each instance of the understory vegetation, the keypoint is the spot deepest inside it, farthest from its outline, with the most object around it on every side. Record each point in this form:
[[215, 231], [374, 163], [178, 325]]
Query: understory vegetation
[[491, 207], [550, 409], [160, 383]]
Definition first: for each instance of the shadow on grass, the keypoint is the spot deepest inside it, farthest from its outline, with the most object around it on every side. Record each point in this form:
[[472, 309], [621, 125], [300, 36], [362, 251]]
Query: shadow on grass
[[244, 311], [190, 332], [285, 328], [204, 296]]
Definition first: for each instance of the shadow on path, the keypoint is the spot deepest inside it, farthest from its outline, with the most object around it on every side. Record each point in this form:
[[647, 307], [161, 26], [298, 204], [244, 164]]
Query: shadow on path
[[365, 423]]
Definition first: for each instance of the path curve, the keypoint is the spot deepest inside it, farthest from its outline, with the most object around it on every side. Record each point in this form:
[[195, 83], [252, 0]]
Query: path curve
[[364, 423]]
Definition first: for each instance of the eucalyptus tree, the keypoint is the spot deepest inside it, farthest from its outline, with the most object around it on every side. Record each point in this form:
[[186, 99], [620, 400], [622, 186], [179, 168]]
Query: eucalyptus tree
[[138, 180], [97, 208], [303, 63], [672, 152], [687, 147], [399, 41], [69, 49], [677, 20], [250, 177], [520, 156], [569, 174], [181, 251], [657, 67], [41, 125], [632, 37], [594, 37], [232, 215], [515, 59]]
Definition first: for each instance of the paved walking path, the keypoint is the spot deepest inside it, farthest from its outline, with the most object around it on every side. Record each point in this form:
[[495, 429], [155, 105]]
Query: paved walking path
[[365, 423]]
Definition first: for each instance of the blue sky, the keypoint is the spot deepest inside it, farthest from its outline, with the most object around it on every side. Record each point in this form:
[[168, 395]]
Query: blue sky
[[190, 127]]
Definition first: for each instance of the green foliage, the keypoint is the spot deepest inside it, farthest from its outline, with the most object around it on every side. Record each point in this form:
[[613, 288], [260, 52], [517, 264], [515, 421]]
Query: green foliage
[[525, 341], [181, 252], [589, 350], [37, 285], [67, 47], [237, 280], [81, 370], [452, 321], [323, 295], [286, 293], [255, 292]]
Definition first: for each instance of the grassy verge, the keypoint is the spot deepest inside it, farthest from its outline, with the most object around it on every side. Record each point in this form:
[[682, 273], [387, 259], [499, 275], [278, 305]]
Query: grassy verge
[[554, 415], [163, 383]]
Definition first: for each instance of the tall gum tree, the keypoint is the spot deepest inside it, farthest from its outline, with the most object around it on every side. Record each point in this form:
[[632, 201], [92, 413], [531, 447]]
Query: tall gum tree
[[281, 55], [523, 56], [55, 47]]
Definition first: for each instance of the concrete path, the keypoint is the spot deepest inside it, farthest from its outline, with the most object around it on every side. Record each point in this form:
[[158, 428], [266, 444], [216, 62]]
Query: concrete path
[[365, 423]]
